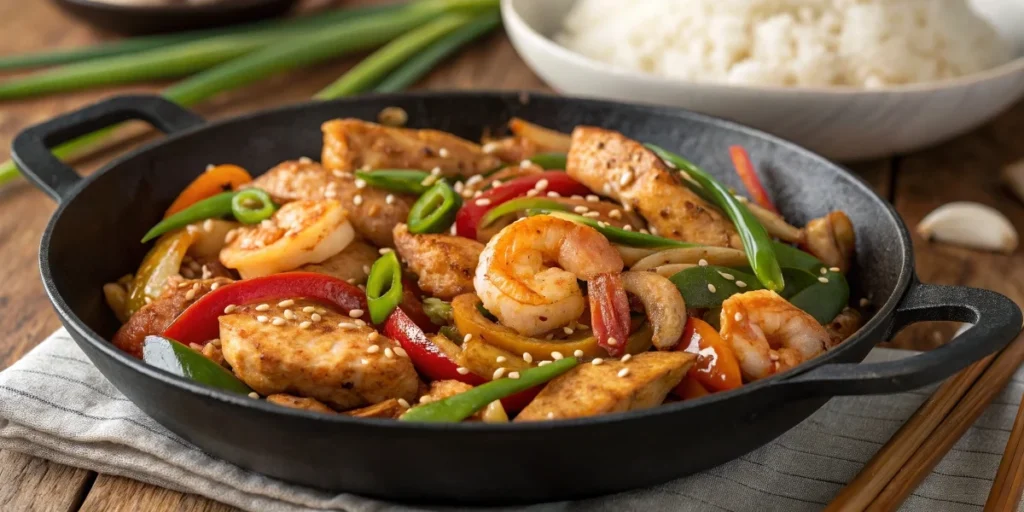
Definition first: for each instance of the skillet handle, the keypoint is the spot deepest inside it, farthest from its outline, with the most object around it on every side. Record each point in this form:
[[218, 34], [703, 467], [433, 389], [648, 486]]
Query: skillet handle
[[996, 319], [31, 148]]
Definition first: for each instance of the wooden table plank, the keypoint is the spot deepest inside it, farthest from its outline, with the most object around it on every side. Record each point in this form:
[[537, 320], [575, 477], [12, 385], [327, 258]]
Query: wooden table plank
[[30, 483], [119, 494]]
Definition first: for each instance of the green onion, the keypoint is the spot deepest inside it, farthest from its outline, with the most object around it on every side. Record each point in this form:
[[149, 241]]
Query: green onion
[[386, 272], [434, 211], [616, 235], [518, 205], [419, 65], [209, 208], [252, 206], [463, 405], [367, 72]]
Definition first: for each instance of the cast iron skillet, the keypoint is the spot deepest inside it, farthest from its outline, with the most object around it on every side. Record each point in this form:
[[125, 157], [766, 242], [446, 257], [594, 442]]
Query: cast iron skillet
[[134, 19], [93, 238]]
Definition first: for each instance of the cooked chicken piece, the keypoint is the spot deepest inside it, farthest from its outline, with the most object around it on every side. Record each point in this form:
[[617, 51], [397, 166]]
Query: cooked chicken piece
[[203, 267], [300, 232], [306, 404], [626, 171], [445, 264], [545, 139], [155, 317], [389, 409], [511, 149], [613, 386], [441, 389], [274, 350], [373, 217], [843, 325], [212, 352], [351, 144], [832, 239], [477, 184], [351, 264], [210, 236]]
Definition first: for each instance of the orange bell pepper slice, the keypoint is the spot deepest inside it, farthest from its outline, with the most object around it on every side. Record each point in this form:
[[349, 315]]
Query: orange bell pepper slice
[[210, 183], [689, 389], [716, 368]]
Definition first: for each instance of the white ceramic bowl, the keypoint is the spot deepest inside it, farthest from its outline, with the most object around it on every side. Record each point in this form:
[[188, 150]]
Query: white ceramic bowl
[[844, 124]]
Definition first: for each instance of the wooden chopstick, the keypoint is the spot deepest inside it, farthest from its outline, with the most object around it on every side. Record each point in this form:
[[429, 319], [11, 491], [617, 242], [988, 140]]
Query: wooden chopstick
[[1009, 482], [860, 492], [949, 431]]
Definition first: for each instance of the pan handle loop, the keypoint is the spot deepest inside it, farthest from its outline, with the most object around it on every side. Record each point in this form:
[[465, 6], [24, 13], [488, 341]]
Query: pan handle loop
[[996, 319], [31, 148]]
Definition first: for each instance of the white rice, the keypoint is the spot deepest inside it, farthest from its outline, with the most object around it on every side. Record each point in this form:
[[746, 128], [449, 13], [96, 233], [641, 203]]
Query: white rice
[[859, 43]]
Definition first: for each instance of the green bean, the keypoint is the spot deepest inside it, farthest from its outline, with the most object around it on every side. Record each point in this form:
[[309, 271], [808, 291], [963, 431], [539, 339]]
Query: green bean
[[421, 64], [403, 181], [519, 205], [550, 161], [209, 208], [756, 242], [613, 234]]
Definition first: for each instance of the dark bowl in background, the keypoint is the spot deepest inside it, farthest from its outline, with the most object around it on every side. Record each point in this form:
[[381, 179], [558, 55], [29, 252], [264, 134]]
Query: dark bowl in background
[[136, 20]]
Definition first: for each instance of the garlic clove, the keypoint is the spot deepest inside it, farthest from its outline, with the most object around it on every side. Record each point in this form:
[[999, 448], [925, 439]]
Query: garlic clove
[[1013, 177], [971, 225]]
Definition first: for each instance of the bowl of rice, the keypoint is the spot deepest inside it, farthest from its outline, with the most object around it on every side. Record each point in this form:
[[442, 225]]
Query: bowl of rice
[[851, 79]]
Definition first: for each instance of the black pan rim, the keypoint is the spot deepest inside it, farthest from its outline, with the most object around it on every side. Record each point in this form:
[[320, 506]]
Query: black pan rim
[[218, 8], [881, 316]]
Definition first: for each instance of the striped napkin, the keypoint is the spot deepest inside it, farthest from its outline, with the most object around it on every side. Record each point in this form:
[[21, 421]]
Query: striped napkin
[[54, 404]]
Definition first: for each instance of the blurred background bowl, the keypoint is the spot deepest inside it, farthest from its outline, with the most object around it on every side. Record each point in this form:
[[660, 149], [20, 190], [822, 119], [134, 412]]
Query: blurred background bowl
[[149, 19], [841, 123]]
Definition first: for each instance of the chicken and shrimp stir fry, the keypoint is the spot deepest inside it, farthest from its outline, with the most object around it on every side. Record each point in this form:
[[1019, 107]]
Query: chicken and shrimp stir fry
[[418, 276]]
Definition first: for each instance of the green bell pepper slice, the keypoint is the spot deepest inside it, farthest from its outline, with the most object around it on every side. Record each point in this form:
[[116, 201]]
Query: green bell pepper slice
[[403, 181], [173, 357]]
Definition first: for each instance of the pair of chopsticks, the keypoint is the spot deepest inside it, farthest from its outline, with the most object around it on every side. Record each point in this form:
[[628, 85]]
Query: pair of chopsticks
[[900, 466]]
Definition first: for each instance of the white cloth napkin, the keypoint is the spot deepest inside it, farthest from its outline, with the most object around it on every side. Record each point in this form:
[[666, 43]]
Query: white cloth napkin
[[54, 404]]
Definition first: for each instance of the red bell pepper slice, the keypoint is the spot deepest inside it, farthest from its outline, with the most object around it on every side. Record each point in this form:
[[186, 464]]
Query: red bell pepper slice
[[469, 216], [434, 364], [609, 312], [198, 324], [745, 170]]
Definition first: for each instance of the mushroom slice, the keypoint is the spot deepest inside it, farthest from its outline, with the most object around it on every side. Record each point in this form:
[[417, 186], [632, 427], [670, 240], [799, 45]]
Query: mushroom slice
[[971, 225], [665, 307]]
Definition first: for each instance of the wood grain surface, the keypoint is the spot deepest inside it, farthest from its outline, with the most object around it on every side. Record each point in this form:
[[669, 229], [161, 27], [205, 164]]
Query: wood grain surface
[[963, 169]]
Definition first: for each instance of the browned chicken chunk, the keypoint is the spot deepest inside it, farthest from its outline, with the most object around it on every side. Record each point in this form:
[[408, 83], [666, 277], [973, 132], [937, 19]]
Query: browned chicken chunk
[[626, 171], [445, 264], [352, 264], [614, 386], [273, 349], [372, 212], [294, 402], [351, 144], [155, 317]]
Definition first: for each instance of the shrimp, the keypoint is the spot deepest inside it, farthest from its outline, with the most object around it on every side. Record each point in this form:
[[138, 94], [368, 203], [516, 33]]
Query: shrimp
[[768, 334], [515, 279]]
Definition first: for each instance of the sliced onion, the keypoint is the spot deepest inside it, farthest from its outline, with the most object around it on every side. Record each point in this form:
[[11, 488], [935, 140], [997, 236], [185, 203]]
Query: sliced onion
[[723, 256], [631, 255], [775, 224], [671, 269], [665, 307]]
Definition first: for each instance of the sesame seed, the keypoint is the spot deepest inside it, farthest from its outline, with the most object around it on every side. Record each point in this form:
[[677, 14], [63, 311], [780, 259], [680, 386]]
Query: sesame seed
[[567, 330], [581, 209], [230, 309], [467, 338], [591, 198], [864, 303], [543, 363], [711, 288], [254, 395], [592, 214], [263, 307], [351, 280], [384, 250], [182, 284], [623, 372], [528, 357], [577, 353], [208, 225], [473, 180], [443, 152], [346, 325], [824, 271], [189, 295], [654, 230], [835, 269], [541, 185], [729, 277], [365, 361], [305, 325], [741, 284], [277, 321], [389, 199], [525, 163], [626, 178], [360, 183], [549, 336], [501, 359], [322, 311], [360, 323], [436, 171], [626, 357], [551, 415], [702, 262], [287, 303], [602, 224], [556, 355], [262, 319], [355, 313], [428, 181], [513, 375], [773, 356], [644, 231], [388, 353], [532, 192], [554, 195], [289, 315], [214, 286], [613, 341], [628, 227], [491, 147], [426, 399], [576, 197], [400, 352], [373, 349], [597, 361], [357, 200], [615, 214], [308, 309], [373, 336], [823, 279], [738, 316], [483, 202], [498, 373], [628, 207], [462, 370], [582, 327], [403, 402]]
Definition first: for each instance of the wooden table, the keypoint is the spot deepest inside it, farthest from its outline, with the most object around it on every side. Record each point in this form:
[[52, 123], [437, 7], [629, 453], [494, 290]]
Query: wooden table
[[963, 169]]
